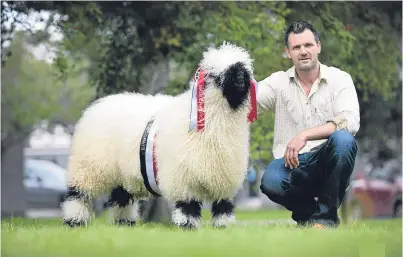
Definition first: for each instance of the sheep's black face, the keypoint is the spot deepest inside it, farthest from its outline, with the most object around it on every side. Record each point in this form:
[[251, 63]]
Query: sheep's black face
[[235, 84]]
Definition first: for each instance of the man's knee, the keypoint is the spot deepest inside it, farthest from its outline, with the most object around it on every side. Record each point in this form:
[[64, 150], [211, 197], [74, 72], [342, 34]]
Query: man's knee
[[274, 181], [342, 140]]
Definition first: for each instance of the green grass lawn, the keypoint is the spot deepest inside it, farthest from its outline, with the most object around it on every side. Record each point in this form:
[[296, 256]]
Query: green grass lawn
[[251, 237]]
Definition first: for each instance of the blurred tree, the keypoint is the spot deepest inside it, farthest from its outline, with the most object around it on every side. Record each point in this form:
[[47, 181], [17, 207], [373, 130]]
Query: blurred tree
[[358, 37], [122, 40], [257, 27], [31, 92]]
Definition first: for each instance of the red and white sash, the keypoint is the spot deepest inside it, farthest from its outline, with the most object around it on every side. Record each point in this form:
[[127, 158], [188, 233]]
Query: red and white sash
[[148, 164], [197, 102]]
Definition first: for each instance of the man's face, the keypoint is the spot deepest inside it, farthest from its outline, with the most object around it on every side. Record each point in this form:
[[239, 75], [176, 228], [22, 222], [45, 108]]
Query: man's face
[[303, 50]]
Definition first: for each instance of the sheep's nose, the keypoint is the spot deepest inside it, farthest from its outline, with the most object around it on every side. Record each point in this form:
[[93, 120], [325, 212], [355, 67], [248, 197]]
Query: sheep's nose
[[236, 84]]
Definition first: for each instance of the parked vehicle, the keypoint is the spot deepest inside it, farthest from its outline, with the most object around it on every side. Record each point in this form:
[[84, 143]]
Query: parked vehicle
[[59, 156], [377, 193], [45, 184], [56, 155]]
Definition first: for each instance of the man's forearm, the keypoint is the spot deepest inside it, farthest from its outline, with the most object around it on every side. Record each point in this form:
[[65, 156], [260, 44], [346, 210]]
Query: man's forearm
[[319, 132]]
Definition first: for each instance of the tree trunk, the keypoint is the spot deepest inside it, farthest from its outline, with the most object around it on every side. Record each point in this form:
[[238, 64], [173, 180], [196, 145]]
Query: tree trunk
[[13, 199]]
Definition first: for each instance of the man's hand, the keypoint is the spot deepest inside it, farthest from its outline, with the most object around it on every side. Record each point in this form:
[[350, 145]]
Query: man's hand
[[293, 148], [298, 142]]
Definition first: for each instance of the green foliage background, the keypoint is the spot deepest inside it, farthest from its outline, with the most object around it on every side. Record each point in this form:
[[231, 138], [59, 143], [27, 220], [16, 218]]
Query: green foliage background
[[116, 45]]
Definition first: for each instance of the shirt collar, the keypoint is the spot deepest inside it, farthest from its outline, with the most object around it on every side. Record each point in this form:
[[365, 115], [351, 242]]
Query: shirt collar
[[322, 72]]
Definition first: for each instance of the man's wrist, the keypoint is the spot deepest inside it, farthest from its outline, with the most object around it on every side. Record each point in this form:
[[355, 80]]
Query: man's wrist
[[303, 135]]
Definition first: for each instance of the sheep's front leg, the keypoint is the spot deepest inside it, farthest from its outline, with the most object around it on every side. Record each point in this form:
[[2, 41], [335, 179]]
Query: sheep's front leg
[[124, 209], [187, 214], [222, 213]]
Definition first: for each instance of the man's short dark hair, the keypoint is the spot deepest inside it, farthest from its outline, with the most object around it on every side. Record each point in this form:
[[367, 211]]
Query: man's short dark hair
[[299, 27]]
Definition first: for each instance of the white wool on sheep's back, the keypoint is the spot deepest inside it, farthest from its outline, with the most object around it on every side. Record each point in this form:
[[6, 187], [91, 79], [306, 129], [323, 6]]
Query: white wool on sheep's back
[[105, 147]]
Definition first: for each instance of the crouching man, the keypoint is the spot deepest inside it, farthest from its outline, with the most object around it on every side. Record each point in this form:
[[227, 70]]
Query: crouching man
[[316, 118]]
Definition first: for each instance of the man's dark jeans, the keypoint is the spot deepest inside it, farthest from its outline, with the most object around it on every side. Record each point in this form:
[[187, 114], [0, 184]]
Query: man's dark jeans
[[324, 173]]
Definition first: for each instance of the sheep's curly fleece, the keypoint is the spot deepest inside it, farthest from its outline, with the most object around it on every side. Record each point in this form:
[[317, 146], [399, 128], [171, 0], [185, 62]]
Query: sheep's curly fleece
[[206, 165]]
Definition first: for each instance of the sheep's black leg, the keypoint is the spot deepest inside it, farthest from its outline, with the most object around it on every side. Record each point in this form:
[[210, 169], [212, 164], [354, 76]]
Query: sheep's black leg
[[222, 213], [76, 208], [124, 210], [187, 214]]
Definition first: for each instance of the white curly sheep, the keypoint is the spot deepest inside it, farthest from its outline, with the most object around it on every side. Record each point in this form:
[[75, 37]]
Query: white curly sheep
[[199, 141]]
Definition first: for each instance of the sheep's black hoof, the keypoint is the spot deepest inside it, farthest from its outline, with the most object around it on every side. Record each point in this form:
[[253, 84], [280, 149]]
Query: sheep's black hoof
[[188, 226], [74, 224], [125, 222]]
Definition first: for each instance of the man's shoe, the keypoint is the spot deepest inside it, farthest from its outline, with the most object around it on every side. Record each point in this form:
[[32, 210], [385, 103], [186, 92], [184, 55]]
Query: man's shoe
[[322, 224], [318, 225]]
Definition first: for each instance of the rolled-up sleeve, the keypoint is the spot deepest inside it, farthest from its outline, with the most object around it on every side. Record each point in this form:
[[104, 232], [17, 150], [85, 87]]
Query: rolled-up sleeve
[[266, 94], [346, 106]]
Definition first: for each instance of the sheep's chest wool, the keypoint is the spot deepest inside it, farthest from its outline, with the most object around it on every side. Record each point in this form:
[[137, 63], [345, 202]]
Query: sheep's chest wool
[[208, 161]]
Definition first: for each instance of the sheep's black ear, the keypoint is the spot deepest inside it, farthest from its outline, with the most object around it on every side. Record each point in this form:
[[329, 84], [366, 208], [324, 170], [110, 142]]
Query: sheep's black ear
[[235, 85]]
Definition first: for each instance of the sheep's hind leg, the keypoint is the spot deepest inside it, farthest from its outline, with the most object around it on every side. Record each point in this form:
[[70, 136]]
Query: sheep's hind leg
[[187, 214], [222, 213], [76, 208], [124, 209]]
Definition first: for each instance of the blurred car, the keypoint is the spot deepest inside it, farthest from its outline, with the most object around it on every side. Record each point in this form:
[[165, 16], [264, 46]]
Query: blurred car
[[45, 184], [56, 155], [377, 193], [59, 156]]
